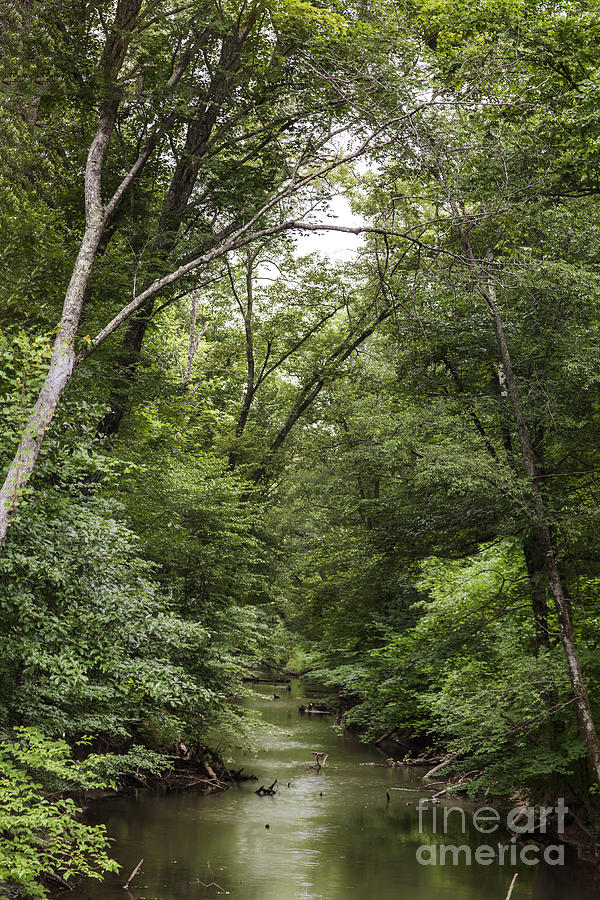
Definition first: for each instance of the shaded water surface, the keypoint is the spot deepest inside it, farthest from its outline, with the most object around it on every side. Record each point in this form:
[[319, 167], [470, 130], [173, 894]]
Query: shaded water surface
[[331, 834]]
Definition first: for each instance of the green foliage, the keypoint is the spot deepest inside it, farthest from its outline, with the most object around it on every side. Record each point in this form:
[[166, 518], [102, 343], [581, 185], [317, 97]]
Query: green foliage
[[23, 364], [88, 644], [506, 719], [42, 834], [111, 768]]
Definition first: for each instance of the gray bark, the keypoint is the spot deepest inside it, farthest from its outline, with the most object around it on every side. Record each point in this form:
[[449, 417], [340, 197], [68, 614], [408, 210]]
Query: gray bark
[[582, 703], [64, 358], [585, 720], [193, 340], [250, 390], [63, 355]]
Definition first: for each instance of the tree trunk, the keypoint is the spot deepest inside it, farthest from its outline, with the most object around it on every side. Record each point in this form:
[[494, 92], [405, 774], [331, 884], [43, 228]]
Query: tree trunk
[[536, 570], [59, 374], [587, 727], [250, 362], [534, 556], [582, 703], [63, 355], [193, 340], [173, 212]]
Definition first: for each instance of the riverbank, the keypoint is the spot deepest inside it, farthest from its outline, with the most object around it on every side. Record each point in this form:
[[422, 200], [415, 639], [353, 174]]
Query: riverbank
[[573, 833], [48, 840], [205, 773]]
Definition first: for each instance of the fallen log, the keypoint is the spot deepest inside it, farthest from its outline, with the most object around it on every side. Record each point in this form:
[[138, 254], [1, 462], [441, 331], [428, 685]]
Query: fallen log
[[415, 790], [255, 679], [209, 771], [134, 873], [183, 782], [512, 884], [320, 758], [311, 710], [420, 761]]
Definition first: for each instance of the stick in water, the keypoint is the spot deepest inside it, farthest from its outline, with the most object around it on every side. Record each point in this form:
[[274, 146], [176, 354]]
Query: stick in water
[[134, 873], [512, 884]]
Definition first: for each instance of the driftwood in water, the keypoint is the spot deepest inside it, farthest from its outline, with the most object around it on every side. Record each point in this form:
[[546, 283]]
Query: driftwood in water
[[189, 773], [212, 884], [417, 789], [267, 791], [320, 760], [215, 785], [311, 709]]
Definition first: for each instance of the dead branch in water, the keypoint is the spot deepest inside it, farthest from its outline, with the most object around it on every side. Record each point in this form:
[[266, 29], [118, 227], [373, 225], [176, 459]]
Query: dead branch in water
[[267, 791], [133, 874], [512, 884]]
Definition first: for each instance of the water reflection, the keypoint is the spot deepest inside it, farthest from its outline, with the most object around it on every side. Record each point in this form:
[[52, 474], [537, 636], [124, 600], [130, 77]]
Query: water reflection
[[331, 836]]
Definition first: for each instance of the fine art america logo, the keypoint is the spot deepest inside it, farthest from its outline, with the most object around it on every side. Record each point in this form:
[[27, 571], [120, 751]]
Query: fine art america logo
[[486, 820]]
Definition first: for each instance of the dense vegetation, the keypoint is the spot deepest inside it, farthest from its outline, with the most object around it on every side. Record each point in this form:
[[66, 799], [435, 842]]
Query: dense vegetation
[[221, 449]]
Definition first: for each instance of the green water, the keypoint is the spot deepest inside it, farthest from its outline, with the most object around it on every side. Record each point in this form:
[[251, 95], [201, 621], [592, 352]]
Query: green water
[[331, 836]]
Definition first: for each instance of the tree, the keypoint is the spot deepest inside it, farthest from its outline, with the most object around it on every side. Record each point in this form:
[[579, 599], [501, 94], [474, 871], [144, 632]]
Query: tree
[[295, 166]]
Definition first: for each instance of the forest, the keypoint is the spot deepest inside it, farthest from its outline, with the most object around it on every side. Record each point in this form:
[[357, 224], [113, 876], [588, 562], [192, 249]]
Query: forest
[[299, 367]]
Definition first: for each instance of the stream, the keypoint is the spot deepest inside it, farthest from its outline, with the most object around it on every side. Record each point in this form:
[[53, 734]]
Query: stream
[[332, 834]]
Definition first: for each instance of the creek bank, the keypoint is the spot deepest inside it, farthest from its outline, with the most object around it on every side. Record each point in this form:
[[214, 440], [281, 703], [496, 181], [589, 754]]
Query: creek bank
[[206, 771], [580, 820], [402, 749], [199, 768]]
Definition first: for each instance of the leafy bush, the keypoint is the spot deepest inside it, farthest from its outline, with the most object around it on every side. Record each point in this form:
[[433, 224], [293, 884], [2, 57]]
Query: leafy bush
[[466, 679], [88, 643], [112, 767], [41, 834]]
